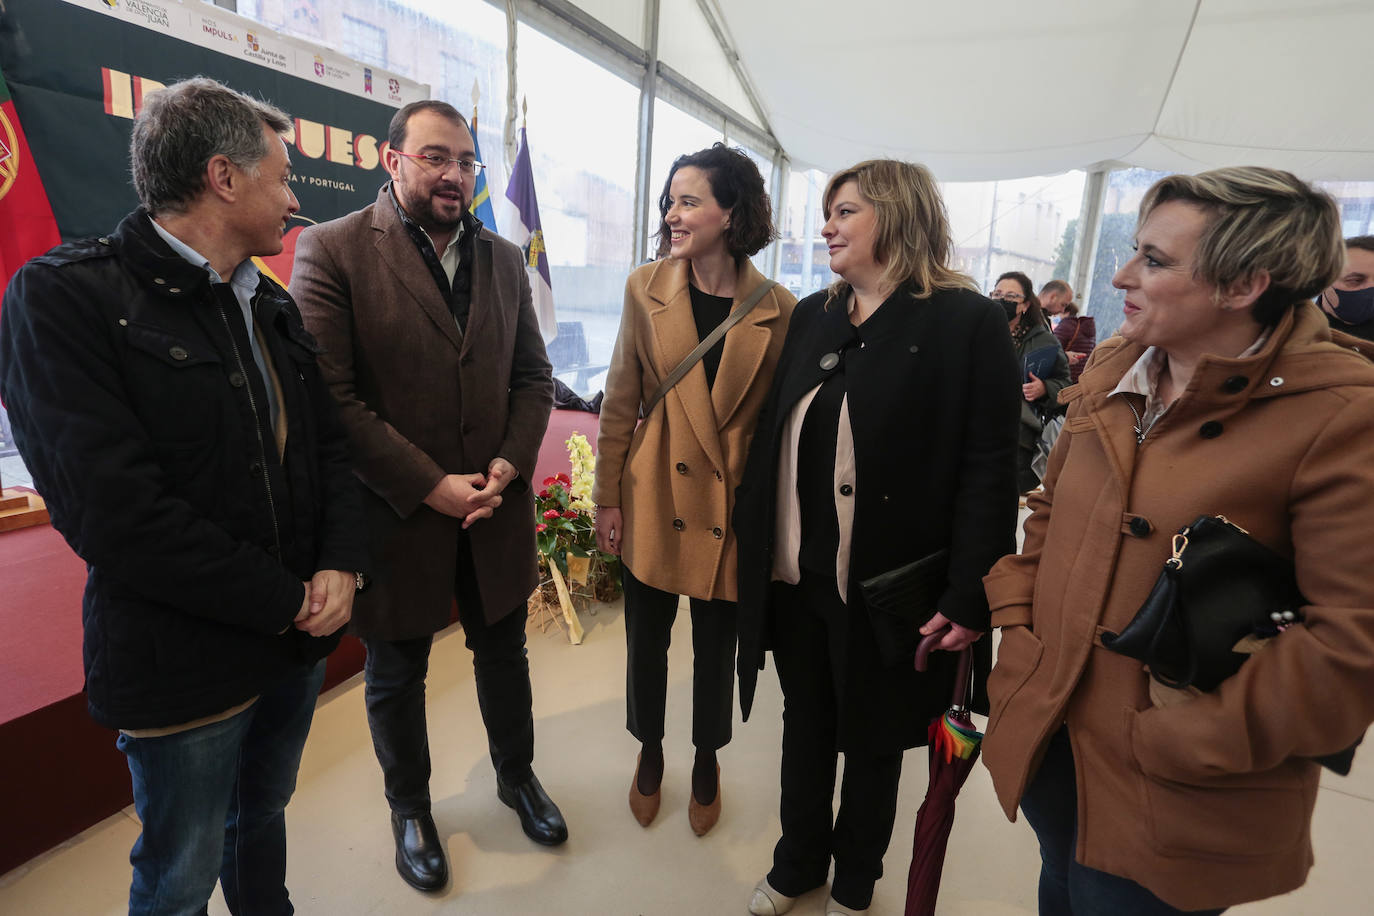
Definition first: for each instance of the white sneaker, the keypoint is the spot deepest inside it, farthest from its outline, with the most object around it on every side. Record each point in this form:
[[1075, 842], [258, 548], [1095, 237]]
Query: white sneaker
[[839, 909], [767, 901]]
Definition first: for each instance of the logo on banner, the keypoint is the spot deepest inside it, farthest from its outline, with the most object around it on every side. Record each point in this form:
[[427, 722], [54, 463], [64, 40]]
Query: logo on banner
[[256, 50], [212, 28], [9, 155], [319, 65], [393, 89], [152, 13], [367, 80]]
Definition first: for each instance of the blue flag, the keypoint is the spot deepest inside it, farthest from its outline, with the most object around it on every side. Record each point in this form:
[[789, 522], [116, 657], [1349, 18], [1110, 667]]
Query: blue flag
[[481, 195], [525, 230]]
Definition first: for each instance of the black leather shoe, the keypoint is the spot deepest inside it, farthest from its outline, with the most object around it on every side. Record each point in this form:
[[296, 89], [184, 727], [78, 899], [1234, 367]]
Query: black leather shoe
[[419, 854], [539, 816]]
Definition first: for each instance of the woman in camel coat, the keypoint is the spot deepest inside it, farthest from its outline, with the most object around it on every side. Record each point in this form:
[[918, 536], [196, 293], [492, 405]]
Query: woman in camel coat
[[665, 490], [1224, 395]]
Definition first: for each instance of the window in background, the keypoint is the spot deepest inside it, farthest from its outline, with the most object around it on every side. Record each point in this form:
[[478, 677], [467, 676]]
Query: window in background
[[1356, 200], [582, 126], [763, 260], [1026, 224], [1116, 244], [805, 264], [363, 41]]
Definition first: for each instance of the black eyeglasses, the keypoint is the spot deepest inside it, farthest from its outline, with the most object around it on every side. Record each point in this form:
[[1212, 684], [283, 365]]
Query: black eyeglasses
[[437, 162]]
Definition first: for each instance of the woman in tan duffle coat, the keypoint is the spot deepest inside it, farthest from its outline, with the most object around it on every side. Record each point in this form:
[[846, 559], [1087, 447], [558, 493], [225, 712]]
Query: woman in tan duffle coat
[[665, 490], [1224, 395]]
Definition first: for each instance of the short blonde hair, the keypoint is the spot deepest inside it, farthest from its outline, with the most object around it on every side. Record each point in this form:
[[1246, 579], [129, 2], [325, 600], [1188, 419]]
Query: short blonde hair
[[1260, 219], [913, 242]]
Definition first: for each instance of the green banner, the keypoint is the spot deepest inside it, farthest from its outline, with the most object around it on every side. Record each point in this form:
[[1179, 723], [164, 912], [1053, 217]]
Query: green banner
[[78, 72]]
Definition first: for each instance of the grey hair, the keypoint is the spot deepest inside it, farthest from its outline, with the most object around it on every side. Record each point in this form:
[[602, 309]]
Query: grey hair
[[183, 126]]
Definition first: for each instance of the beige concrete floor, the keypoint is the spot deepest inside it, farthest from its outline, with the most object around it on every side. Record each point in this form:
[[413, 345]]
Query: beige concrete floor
[[341, 850]]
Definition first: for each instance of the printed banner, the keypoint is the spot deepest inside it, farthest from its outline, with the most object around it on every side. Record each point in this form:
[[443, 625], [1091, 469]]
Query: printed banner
[[78, 71]]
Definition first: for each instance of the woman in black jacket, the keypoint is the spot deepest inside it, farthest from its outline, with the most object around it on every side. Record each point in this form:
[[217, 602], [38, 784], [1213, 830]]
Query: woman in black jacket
[[1036, 347], [889, 435]]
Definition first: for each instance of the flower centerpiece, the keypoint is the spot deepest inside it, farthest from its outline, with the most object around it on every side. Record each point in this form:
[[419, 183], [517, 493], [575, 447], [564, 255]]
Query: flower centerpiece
[[565, 528]]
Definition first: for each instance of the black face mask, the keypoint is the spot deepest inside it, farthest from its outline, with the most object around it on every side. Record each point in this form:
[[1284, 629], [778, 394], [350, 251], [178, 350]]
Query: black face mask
[[1009, 307], [1354, 306]]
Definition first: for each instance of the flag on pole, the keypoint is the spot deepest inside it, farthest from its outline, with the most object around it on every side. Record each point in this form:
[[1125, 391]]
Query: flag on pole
[[524, 229], [481, 194], [27, 227]]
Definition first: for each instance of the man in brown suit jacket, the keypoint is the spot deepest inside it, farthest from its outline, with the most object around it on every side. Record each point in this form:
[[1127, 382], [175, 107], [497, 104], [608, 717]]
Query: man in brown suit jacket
[[433, 352]]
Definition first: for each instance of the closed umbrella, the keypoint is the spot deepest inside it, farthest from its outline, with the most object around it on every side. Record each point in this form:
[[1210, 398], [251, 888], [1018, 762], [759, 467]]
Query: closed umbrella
[[953, 749]]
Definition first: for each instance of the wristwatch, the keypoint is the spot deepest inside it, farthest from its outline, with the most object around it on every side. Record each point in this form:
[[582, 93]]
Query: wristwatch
[[360, 581]]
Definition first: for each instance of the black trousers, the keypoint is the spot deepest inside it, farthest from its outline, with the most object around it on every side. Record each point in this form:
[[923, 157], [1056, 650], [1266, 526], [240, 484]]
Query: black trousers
[[395, 696], [649, 616], [804, 618]]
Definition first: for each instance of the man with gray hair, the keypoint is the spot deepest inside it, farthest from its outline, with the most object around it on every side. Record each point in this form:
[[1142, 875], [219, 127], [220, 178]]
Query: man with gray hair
[[164, 394]]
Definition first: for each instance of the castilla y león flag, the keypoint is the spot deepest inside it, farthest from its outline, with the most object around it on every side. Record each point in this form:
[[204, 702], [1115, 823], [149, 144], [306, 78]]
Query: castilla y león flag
[[27, 227]]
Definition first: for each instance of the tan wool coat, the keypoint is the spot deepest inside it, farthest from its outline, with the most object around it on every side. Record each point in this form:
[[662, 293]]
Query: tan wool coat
[[674, 477], [1206, 800]]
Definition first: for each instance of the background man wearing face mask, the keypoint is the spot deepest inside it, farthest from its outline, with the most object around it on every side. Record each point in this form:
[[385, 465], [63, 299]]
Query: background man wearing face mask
[[1349, 302], [432, 349]]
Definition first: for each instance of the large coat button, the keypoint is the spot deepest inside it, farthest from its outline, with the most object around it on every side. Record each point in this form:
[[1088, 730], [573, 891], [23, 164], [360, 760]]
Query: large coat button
[[717, 533], [1235, 384], [1210, 430], [178, 353], [682, 467], [846, 490], [1140, 527], [236, 379], [679, 524]]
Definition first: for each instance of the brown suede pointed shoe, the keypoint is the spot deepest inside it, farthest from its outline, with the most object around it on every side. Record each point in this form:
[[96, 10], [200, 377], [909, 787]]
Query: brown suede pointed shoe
[[644, 807], [704, 817]]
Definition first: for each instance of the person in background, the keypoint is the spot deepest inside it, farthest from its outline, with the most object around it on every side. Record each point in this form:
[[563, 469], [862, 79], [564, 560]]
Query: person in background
[[165, 394], [888, 436], [664, 489], [1076, 333], [1349, 302], [1054, 295], [1031, 337], [1223, 395], [432, 349]]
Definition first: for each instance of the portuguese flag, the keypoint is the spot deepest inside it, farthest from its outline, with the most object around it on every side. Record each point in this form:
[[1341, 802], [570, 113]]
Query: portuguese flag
[[27, 227]]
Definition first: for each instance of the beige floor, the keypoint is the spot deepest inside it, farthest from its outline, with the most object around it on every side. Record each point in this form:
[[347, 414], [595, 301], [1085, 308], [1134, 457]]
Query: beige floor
[[341, 852]]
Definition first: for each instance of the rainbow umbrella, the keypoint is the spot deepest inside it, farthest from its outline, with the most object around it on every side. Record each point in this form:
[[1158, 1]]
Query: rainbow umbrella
[[952, 749]]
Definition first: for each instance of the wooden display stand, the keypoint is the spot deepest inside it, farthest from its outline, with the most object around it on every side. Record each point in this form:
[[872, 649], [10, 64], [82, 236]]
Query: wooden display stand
[[19, 509]]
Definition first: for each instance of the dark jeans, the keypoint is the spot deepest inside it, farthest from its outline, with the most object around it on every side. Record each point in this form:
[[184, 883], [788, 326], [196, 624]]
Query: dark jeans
[[1067, 887], [857, 839], [649, 616], [395, 696], [212, 801]]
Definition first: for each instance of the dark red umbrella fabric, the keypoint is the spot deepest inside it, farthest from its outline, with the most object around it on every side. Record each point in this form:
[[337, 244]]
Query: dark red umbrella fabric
[[953, 750]]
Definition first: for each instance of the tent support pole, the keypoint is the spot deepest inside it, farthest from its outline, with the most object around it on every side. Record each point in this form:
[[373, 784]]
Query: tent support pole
[[1089, 227], [648, 92]]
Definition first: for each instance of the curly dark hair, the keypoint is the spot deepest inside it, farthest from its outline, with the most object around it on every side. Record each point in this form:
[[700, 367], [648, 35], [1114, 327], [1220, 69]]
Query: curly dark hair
[[1034, 316], [738, 187]]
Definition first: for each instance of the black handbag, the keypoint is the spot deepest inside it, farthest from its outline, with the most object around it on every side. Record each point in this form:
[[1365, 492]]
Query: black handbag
[[1220, 586], [901, 600]]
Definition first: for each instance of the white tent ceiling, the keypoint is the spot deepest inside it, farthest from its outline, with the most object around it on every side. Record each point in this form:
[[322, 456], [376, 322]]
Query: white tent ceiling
[[1007, 88]]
